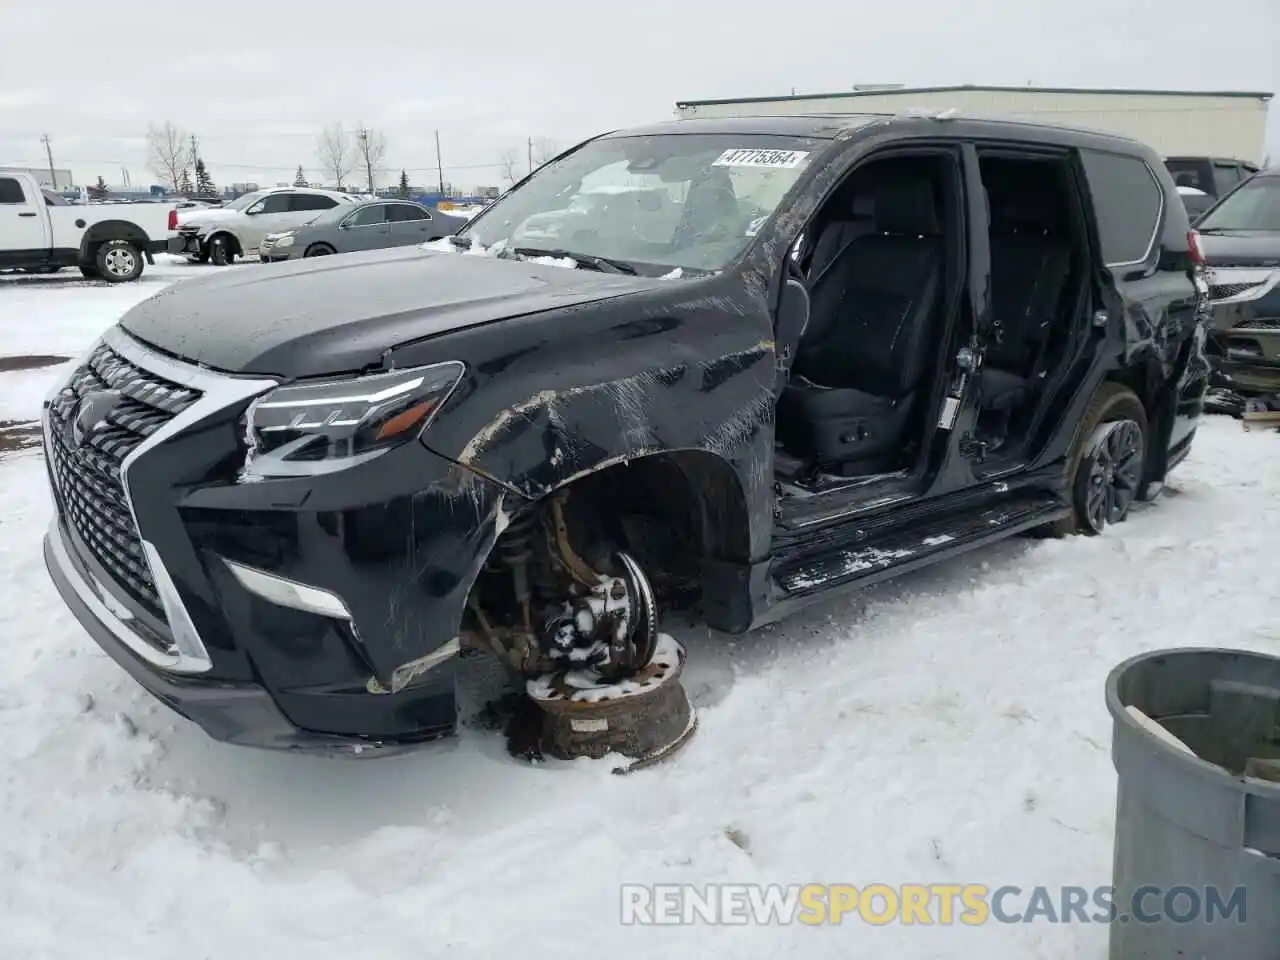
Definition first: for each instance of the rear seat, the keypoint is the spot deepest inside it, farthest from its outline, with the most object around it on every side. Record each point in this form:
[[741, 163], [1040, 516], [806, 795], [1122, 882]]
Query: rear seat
[[1030, 263]]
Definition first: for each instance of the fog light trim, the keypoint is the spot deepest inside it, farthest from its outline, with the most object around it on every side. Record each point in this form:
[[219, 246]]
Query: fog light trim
[[289, 593]]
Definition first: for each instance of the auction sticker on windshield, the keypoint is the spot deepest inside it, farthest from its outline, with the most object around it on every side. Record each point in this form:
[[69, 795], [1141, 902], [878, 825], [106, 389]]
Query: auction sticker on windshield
[[778, 159]]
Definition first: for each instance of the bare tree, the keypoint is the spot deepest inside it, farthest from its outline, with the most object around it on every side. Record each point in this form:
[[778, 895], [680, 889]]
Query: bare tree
[[371, 145], [507, 161], [168, 152], [335, 152], [544, 150]]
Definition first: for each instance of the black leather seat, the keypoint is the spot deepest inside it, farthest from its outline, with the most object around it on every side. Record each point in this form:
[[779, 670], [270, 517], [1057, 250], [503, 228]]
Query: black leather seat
[[867, 351], [1030, 264]]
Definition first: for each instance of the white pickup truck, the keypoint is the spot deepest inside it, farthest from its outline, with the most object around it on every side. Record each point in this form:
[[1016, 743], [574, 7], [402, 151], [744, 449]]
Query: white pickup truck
[[42, 233]]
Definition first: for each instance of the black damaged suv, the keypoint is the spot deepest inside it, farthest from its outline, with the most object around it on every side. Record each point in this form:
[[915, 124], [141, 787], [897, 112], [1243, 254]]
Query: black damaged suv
[[737, 364]]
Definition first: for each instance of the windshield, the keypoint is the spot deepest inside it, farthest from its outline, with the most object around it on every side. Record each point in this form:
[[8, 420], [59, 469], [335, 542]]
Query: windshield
[[1255, 205], [241, 202], [678, 200]]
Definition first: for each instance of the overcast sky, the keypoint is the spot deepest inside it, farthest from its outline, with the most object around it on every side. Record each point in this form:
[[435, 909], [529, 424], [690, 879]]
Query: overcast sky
[[255, 79]]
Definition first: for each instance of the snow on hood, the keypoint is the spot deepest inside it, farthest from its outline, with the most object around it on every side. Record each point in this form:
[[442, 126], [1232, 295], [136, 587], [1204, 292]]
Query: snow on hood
[[1190, 191], [445, 245]]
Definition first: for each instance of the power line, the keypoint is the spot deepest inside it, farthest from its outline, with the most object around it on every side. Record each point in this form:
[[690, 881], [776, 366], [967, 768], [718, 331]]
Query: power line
[[275, 166]]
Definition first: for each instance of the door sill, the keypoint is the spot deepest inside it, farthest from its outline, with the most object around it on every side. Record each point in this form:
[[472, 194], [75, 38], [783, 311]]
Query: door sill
[[906, 546]]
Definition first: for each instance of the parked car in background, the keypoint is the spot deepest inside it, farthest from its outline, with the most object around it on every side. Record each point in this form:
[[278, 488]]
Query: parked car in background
[[1196, 202], [1239, 239], [41, 233], [370, 225], [1212, 177], [237, 229], [286, 506]]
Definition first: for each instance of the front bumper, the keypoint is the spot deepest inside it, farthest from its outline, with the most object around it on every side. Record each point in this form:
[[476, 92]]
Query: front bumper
[[269, 254], [239, 713], [1244, 334], [399, 543]]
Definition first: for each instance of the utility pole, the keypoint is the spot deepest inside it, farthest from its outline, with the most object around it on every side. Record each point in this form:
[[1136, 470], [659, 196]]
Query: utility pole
[[439, 163], [363, 136], [195, 150], [531, 154], [48, 152]]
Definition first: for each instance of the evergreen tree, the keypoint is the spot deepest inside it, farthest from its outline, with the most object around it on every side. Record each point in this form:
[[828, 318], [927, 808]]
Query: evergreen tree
[[300, 179], [204, 182], [184, 182], [404, 184]]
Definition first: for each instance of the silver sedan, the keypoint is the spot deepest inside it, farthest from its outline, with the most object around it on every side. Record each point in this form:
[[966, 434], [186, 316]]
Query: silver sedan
[[348, 228]]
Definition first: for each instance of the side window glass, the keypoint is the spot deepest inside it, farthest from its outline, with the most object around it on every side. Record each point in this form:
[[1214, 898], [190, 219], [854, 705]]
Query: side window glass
[[1225, 176], [11, 191], [312, 201], [1127, 204], [276, 203], [407, 213], [369, 216]]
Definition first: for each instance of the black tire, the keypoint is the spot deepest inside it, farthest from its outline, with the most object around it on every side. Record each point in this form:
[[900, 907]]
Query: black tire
[[221, 252], [118, 261], [90, 273], [1087, 470], [319, 250]]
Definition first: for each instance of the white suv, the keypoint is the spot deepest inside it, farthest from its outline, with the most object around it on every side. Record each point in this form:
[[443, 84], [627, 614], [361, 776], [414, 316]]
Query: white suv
[[224, 233]]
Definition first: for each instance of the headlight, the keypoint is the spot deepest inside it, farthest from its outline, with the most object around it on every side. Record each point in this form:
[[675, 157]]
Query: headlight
[[281, 239], [308, 429]]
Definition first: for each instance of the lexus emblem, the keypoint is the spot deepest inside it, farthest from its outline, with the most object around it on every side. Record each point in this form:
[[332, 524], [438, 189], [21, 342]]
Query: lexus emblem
[[90, 414]]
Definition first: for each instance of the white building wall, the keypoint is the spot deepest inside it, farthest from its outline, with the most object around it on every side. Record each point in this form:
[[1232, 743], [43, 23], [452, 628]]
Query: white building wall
[[1193, 124]]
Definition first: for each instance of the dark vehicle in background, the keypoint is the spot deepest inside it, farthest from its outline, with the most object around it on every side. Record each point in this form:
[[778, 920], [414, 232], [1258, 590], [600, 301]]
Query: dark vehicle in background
[[1240, 242], [372, 225], [837, 349], [1212, 178]]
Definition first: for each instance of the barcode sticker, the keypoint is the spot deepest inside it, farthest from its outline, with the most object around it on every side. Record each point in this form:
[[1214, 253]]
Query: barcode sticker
[[776, 159]]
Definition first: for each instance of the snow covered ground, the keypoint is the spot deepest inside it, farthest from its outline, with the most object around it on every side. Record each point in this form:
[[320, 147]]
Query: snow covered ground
[[948, 727]]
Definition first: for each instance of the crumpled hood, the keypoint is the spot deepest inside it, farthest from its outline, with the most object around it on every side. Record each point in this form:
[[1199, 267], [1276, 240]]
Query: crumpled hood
[[331, 315]]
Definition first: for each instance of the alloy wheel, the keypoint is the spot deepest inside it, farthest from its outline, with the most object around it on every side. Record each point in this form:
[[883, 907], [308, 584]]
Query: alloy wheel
[[1111, 473]]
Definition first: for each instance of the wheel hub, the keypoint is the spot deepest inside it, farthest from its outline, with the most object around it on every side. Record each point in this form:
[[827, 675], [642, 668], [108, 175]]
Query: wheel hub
[[1112, 471], [119, 263]]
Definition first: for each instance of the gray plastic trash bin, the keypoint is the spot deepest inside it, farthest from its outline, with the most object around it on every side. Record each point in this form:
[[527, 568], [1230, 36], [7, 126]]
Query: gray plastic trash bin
[[1197, 835]]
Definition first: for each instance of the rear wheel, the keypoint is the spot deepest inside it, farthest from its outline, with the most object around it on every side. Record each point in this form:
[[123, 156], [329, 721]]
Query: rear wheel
[[119, 261], [1105, 467], [319, 250], [221, 252]]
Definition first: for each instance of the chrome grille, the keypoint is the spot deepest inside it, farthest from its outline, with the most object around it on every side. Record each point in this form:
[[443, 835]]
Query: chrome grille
[[87, 475], [1221, 291]]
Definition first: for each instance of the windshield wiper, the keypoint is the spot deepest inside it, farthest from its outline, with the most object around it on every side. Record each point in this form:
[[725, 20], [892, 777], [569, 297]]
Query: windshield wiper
[[603, 264]]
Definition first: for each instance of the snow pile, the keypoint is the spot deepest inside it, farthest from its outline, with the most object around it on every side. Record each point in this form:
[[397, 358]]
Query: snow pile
[[945, 727]]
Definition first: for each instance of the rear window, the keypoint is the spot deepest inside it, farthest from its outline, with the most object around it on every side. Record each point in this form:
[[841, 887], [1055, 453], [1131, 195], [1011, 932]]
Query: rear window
[[1127, 203], [1190, 173], [1255, 206], [11, 191]]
